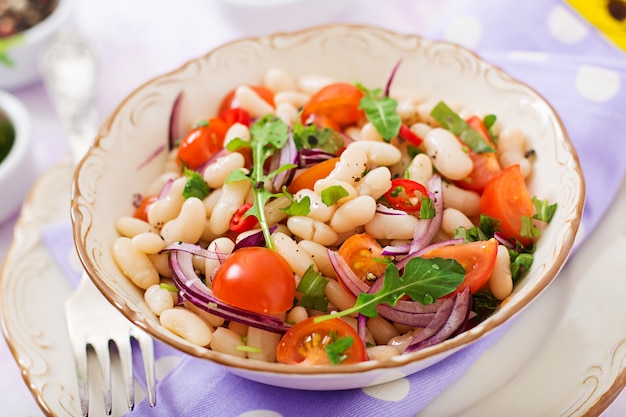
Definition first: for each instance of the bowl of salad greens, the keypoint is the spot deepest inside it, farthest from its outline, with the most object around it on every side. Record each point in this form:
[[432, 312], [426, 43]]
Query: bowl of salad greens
[[328, 223], [15, 140]]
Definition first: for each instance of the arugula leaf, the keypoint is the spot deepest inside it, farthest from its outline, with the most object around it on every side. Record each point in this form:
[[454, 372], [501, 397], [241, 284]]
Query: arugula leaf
[[312, 285], [336, 349], [314, 137], [484, 304], [489, 225], [300, 207], [195, 185], [520, 263], [473, 234], [528, 228], [451, 121], [333, 194], [427, 209], [544, 210], [381, 112], [424, 280], [267, 135]]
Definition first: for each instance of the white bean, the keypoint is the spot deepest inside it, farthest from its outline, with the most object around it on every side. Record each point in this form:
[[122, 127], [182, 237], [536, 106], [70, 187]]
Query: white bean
[[216, 173], [407, 110], [420, 169], [452, 219], [356, 212], [188, 225], [187, 325], [381, 353], [213, 320], [287, 113], [233, 195], [130, 226], [465, 201], [237, 130], [266, 343], [382, 330], [369, 132], [134, 264], [223, 247], [378, 153], [298, 260], [423, 111], [211, 200], [273, 212], [161, 263], [250, 101], [383, 226], [350, 167], [149, 242], [376, 183], [296, 99], [296, 315], [325, 183], [338, 296], [277, 79], [317, 209], [158, 299], [421, 129], [501, 282], [226, 341], [319, 254], [307, 228], [312, 83], [167, 207], [157, 185], [447, 155], [512, 149]]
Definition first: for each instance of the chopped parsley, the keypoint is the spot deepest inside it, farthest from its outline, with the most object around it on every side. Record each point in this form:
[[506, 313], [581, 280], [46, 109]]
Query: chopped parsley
[[333, 194], [195, 185], [336, 349]]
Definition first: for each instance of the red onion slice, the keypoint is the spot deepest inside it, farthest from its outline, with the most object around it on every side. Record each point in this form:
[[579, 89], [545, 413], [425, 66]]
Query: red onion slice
[[352, 282], [175, 120]]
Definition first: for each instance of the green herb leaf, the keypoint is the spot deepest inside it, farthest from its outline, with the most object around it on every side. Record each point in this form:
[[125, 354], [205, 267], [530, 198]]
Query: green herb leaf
[[195, 185], [333, 194], [489, 120], [168, 287], [489, 225], [451, 121], [520, 263], [544, 210], [473, 234], [529, 230], [300, 207], [424, 280], [336, 350], [5, 45], [427, 209], [314, 137], [200, 123], [311, 286], [236, 144], [381, 112], [484, 304]]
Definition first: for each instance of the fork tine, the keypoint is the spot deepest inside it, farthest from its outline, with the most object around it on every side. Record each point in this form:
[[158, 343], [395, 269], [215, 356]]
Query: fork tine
[[82, 376], [124, 351], [146, 345], [101, 349]]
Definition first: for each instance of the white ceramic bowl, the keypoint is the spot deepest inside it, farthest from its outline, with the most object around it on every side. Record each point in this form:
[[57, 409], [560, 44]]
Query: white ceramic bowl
[[16, 170], [130, 151], [25, 51]]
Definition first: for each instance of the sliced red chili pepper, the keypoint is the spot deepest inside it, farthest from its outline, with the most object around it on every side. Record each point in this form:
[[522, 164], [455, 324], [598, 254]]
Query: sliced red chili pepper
[[406, 194], [239, 223], [235, 115], [407, 134]]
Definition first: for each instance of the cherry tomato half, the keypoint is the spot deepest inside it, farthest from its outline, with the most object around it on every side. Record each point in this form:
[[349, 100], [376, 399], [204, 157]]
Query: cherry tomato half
[[478, 259], [307, 178], [255, 279], [305, 343], [229, 101], [406, 194], [141, 212], [363, 254], [486, 165], [201, 143], [236, 115], [337, 102], [239, 223], [506, 198]]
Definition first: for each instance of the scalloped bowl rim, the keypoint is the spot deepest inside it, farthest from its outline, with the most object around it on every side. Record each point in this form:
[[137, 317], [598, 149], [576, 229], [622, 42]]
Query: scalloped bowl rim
[[259, 370]]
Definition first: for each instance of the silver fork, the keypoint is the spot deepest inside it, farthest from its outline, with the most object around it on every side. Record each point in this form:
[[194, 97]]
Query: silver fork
[[69, 67], [93, 322]]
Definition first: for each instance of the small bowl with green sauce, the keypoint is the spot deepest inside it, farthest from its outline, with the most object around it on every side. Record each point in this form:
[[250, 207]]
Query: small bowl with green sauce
[[16, 168]]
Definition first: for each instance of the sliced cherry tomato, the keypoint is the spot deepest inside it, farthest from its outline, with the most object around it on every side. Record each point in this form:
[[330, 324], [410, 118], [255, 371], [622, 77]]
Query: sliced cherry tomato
[[239, 223], [305, 343], [307, 178], [506, 198], [338, 102], [478, 259], [407, 134], [363, 254], [201, 143], [256, 279], [141, 212], [236, 115], [229, 101], [486, 165], [406, 194]]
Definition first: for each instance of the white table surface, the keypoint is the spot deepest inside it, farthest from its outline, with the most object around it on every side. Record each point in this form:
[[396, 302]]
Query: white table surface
[[143, 38]]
